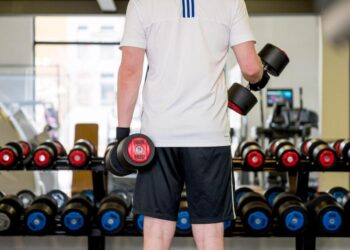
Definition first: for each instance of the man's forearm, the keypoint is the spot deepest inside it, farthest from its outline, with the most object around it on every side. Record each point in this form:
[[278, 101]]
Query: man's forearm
[[128, 89]]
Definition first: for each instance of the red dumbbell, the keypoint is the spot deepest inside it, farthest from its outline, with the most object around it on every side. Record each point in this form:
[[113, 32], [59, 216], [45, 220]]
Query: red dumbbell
[[343, 150], [319, 152], [14, 153], [251, 153], [47, 153], [81, 153], [284, 152]]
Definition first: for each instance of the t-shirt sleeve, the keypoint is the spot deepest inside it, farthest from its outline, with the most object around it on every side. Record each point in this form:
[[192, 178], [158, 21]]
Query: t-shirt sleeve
[[240, 26], [134, 32]]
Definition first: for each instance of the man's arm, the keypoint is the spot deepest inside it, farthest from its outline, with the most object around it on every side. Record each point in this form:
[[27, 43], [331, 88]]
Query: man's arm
[[129, 80], [249, 61]]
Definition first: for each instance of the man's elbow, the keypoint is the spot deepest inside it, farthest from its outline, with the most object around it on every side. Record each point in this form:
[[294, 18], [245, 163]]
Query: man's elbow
[[252, 73], [129, 71]]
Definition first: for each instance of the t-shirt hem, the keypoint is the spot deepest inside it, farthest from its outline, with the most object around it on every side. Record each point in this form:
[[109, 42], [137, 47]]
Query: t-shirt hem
[[192, 143], [131, 43]]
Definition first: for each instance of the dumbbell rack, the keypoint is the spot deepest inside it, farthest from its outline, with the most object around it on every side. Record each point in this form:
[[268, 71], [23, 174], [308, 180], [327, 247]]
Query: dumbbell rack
[[306, 241], [96, 240]]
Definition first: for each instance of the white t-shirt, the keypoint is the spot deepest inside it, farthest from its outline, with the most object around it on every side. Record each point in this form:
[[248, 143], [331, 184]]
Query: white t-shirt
[[186, 43]]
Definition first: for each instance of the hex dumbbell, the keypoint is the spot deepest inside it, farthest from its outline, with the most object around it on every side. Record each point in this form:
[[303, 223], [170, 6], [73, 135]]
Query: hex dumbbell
[[133, 153], [81, 153], [11, 209], [240, 98], [291, 212], [326, 213], [39, 218], [47, 153], [284, 152], [14, 153], [255, 213], [252, 155], [112, 213], [76, 215], [319, 152]]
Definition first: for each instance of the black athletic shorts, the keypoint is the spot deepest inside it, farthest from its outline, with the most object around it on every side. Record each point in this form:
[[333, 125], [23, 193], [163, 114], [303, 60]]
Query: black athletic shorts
[[206, 172]]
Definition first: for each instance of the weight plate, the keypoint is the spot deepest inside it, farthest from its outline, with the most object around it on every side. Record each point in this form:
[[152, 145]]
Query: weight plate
[[240, 99], [111, 221], [275, 58]]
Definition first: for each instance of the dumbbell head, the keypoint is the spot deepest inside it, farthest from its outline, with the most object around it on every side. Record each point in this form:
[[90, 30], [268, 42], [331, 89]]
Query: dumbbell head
[[27, 197], [135, 152], [81, 153], [255, 213], [183, 224], [344, 150], [46, 154], [339, 194], [39, 217], [112, 163], [326, 212], [241, 99], [11, 154], [336, 146], [253, 156], [2, 194], [11, 209], [291, 212], [228, 225], [274, 59], [76, 214], [319, 152], [285, 153], [59, 196], [239, 192], [112, 213], [271, 194], [126, 196], [138, 222]]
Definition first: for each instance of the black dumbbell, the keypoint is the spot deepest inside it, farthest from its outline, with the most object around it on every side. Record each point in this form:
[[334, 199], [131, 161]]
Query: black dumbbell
[[344, 150], [255, 213], [183, 224], [81, 153], [11, 209], [112, 213], [89, 193], [271, 193], [228, 226], [338, 193], [319, 152], [76, 215], [239, 192], [291, 213], [47, 153], [133, 153], [2, 194], [284, 152], [240, 98], [14, 153], [252, 154], [39, 218], [326, 213], [138, 222], [27, 197], [59, 196]]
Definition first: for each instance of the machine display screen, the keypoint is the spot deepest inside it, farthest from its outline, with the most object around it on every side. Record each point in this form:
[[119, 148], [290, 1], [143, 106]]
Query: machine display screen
[[279, 97]]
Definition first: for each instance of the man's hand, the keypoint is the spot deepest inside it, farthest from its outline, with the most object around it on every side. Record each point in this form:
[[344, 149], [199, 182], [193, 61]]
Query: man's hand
[[129, 80], [249, 61]]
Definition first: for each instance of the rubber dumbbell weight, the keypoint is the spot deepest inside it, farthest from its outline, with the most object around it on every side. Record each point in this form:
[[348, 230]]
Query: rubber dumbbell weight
[[252, 155], [60, 197], [326, 213], [271, 193], [81, 153], [239, 192], [336, 146], [112, 214], [39, 218], [46, 154], [319, 152], [11, 209], [240, 98], [76, 215], [255, 213], [344, 150], [139, 222], [131, 154], [284, 152], [2, 194], [183, 224], [14, 153], [338, 193], [291, 212], [27, 197]]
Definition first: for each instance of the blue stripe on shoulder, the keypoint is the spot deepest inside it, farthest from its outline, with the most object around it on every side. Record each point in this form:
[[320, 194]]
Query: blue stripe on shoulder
[[183, 8], [188, 8], [192, 8]]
